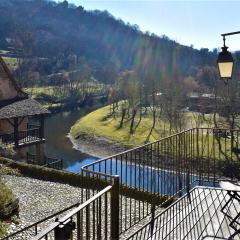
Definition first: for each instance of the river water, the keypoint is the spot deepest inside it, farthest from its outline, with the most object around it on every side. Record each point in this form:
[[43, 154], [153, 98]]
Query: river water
[[58, 145]]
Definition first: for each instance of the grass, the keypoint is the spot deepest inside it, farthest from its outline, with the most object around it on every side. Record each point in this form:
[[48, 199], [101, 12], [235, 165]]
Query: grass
[[99, 123], [36, 91], [51, 91], [3, 228], [11, 62]]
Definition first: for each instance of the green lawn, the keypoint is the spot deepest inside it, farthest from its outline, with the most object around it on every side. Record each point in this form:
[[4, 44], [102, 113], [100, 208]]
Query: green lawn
[[36, 91], [11, 62], [98, 123]]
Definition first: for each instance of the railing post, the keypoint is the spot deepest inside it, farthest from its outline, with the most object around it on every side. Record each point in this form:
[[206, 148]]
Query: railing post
[[188, 185], [152, 217], [16, 133], [115, 209], [180, 158], [41, 133]]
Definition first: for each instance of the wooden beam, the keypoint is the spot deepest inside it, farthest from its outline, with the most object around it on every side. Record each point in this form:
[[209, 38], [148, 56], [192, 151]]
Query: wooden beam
[[21, 121], [12, 124]]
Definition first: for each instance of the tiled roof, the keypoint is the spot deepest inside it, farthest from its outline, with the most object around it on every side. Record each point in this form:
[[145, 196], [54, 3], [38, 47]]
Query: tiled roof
[[23, 108]]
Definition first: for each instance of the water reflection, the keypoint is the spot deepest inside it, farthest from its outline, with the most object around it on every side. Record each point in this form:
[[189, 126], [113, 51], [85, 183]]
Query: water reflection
[[59, 145]]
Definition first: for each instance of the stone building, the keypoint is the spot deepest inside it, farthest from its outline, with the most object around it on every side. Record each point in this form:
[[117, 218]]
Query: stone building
[[16, 113]]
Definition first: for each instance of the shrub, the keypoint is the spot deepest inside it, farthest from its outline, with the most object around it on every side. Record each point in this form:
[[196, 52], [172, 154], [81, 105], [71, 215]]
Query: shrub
[[6, 198], [3, 228]]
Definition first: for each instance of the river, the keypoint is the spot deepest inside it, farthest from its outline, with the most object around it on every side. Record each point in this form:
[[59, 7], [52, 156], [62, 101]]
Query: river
[[58, 145]]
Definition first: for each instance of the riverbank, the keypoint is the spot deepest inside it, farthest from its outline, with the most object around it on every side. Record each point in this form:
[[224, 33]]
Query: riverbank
[[99, 124], [96, 146], [99, 133]]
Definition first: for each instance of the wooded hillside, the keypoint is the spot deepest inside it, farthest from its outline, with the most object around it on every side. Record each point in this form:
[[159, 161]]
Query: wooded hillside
[[58, 34]]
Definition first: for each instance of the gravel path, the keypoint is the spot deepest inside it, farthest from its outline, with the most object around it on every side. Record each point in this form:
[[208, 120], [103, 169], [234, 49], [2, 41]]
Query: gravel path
[[39, 199]]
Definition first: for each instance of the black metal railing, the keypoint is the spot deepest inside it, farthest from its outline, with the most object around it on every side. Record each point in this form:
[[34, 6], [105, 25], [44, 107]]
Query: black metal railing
[[7, 138], [30, 135], [53, 163], [48, 161], [157, 172], [154, 175], [93, 219], [32, 126], [34, 229], [185, 218]]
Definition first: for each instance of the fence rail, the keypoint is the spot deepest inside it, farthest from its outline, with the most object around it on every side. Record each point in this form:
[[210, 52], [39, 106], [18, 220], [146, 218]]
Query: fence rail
[[155, 174], [29, 135], [167, 168], [23, 137], [33, 229], [49, 161], [91, 220]]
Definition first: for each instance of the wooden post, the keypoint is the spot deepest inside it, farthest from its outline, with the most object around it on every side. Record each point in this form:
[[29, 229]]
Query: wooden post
[[41, 134], [16, 133], [115, 209]]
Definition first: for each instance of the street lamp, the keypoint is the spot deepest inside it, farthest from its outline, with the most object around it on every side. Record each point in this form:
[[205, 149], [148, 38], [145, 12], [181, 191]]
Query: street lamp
[[225, 60]]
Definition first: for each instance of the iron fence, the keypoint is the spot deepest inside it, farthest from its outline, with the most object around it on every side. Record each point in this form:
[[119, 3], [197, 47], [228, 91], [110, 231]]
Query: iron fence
[[34, 228], [7, 138], [165, 169], [154, 175], [29, 135], [22, 137], [48, 161], [94, 219]]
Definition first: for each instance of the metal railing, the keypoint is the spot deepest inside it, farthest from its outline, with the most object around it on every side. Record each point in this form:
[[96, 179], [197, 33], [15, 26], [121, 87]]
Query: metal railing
[[185, 219], [48, 161], [34, 228], [22, 137], [95, 218], [91, 220], [29, 135], [7, 138], [154, 175]]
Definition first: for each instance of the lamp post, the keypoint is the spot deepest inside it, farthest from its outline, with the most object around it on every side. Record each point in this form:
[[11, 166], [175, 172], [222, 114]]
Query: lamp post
[[225, 60]]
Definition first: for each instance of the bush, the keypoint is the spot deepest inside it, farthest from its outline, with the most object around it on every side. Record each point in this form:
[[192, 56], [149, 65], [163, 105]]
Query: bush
[[3, 228], [6, 199], [54, 175], [7, 151]]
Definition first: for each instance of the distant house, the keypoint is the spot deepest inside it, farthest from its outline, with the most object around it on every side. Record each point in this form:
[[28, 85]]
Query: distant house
[[16, 112]]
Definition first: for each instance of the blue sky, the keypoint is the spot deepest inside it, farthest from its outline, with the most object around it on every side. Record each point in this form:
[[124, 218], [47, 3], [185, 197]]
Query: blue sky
[[188, 22]]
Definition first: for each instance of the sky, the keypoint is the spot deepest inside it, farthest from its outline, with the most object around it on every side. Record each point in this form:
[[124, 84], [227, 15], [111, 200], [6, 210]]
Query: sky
[[190, 22]]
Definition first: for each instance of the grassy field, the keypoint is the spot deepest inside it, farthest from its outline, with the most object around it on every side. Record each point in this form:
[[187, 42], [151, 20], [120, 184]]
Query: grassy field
[[99, 123], [36, 91], [11, 62]]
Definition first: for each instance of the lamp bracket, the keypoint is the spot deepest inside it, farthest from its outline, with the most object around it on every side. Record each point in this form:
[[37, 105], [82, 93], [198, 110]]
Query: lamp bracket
[[231, 33]]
